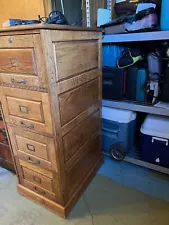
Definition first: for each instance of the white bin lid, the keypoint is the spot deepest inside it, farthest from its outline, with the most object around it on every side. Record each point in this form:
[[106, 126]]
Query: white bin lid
[[118, 115], [156, 126]]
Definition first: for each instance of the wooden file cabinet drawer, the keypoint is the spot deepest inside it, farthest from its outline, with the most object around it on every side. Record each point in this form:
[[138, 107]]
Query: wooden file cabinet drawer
[[32, 147], [21, 80], [21, 61], [37, 179], [38, 146], [28, 109], [39, 190], [16, 41], [32, 160]]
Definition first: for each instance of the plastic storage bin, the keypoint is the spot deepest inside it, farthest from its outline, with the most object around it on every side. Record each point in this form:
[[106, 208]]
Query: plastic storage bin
[[164, 15], [155, 140], [118, 126], [141, 85], [110, 54]]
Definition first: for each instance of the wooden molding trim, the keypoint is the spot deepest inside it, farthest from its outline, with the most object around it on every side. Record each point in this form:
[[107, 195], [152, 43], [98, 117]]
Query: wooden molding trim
[[53, 206]]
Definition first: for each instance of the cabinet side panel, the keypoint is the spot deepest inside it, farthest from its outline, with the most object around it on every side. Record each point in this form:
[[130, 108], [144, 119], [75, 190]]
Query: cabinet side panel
[[51, 71], [74, 102], [75, 57], [75, 92]]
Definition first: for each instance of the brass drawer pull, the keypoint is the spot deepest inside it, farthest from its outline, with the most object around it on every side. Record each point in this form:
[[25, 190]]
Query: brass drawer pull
[[37, 162], [18, 81], [37, 179], [23, 109], [30, 147], [40, 192], [3, 131], [10, 40], [30, 126]]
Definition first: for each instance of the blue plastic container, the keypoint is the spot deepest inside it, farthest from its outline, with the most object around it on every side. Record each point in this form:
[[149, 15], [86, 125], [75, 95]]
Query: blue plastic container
[[118, 127], [141, 85], [165, 15], [155, 140], [110, 54]]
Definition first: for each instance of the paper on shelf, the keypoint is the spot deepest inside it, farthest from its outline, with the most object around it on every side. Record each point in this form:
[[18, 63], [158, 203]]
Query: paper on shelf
[[142, 6], [164, 105], [118, 1]]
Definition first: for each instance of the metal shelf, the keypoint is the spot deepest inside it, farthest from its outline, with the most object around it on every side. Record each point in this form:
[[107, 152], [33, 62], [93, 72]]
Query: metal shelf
[[135, 107], [133, 37], [146, 164], [134, 157]]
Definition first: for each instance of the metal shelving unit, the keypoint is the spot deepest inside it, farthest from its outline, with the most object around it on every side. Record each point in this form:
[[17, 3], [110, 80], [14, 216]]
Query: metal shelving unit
[[133, 156], [136, 107], [135, 37]]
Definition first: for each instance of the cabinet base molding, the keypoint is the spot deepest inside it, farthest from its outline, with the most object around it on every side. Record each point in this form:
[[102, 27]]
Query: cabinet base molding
[[53, 206]]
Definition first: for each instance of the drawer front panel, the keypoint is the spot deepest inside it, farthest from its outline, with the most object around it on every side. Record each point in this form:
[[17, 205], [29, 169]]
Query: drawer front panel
[[23, 80], [35, 161], [83, 97], [28, 109], [16, 41], [39, 190], [29, 124], [83, 57], [32, 147], [21, 61], [38, 179], [39, 148]]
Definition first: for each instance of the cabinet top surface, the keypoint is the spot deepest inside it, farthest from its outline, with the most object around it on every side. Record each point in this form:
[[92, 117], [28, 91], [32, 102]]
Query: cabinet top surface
[[48, 27]]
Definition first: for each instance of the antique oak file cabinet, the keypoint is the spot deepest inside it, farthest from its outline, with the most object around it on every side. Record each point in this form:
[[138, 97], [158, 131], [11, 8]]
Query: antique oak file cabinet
[[50, 92]]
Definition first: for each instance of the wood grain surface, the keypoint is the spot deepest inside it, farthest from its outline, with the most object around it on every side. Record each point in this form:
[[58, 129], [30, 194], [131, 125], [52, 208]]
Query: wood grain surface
[[83, 57], [27, 109], [83, 97], [17, 61], [39, 190], [84, 164], [80, 134], [37, 179]]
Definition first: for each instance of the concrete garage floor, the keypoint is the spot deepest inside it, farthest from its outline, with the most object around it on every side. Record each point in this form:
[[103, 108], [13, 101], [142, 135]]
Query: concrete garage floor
[[105, 202]]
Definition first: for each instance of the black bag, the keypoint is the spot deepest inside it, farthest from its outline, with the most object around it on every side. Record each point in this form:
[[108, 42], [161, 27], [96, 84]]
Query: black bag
[[165, 86], [56, 17], [125, 8], [129, 57], [114, 83]]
